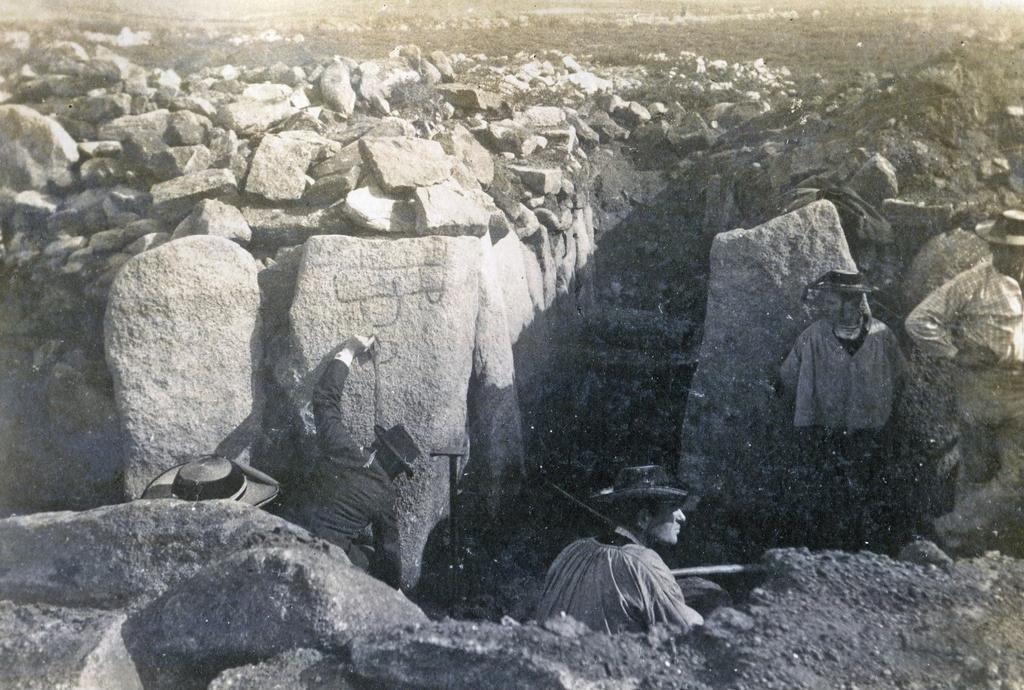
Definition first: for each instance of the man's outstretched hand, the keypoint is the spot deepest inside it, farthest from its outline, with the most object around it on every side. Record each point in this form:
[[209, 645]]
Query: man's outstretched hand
[[355, 346]]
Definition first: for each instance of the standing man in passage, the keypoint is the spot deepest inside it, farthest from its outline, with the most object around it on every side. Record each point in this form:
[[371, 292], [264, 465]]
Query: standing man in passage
[[844, 373], [618, 583], [975, 322]]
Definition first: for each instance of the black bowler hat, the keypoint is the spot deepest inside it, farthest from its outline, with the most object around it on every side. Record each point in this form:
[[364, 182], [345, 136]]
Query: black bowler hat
[[1007, 228], [214, 477]]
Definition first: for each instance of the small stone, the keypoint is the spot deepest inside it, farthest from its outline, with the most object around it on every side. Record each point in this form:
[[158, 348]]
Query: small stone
[[172, 200], [400, 164], [278, 168], [336, 88], [448, 209], [369, 208], [213, 217], [539, 180]]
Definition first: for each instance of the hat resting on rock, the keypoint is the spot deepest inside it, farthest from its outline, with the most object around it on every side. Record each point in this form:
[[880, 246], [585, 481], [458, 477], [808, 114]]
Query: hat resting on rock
[[1007, 228], [214, 477], [642, 482]]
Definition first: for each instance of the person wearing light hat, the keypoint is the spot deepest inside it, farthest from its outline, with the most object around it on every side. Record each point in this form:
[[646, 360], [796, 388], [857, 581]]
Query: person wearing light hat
[[618, 583], [844, 373], [976, 322]]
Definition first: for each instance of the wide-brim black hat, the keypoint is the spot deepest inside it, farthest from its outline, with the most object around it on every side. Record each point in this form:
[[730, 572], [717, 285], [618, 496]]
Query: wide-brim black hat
[[841, 281], [1007, 228], [642, 482], [214, 477]]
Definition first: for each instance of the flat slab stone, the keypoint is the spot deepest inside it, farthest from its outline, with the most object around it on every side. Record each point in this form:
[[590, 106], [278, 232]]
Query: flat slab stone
[[420, 298], [755, 311], [368, 207], [448, 209], [119, 129], [400, 164], [470, 97], [174, 199], [181, 340], [539, 180]]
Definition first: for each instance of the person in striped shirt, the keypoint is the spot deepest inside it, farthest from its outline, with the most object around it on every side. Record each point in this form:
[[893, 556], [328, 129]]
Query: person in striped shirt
[[975, 323]]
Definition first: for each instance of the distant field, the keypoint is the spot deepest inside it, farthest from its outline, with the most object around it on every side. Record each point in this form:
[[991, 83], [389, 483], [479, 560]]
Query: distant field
[[837, 41]]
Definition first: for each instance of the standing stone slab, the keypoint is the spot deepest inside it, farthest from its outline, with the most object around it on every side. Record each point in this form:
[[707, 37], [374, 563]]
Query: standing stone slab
[[754, 313], [420, 298], [49, 647], [495, 423], [35, 149], [181, 337], [336, 88]]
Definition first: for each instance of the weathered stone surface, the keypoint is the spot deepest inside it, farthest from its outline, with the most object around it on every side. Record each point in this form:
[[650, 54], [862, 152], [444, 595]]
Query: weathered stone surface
[[400, 164], [377, 78], [48, 647], [471, 97], [278, 168], [251, 116], [539, 180], [97, 149], [463, 146], [460, 654], [254, 604], [940, 259], [448, 209], [495, 423], [117, 130], [607, 128], [181, 340], [369, 208], [102, 172], [914, 224], [174, 199], [119, 555], [279, 227], [420, 298], [440, 60], [35, 149], [186, 128], [336, 88], [876, 181], [298, 669], [212, 217], [330, 188], [99, 108], [731, 407]]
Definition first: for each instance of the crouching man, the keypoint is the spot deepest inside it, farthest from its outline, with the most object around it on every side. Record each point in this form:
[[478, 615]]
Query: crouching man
[[618, 583], [351, 488]]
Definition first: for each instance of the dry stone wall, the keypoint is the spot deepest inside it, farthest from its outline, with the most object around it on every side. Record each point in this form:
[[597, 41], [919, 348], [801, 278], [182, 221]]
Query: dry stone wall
[[216, 234]]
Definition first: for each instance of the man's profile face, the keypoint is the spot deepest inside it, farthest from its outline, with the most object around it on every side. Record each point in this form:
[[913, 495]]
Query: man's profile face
[[665, 524]]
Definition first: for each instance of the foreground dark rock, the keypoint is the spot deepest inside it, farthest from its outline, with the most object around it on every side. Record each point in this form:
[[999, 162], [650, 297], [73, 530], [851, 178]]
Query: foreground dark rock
[[121, 555], [254, 604], [49, 647]]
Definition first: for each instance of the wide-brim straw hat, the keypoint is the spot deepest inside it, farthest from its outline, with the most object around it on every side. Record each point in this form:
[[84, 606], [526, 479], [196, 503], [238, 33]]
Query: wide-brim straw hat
[[214, 477], [1007, 228], [642, 482]]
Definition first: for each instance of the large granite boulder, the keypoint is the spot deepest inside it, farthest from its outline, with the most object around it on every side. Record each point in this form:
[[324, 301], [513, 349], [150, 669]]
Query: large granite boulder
[[35, 149], [940, 260], [44, 647], [754, 313], [182, 342], [254, 604], [420, 298], [121, 555]]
